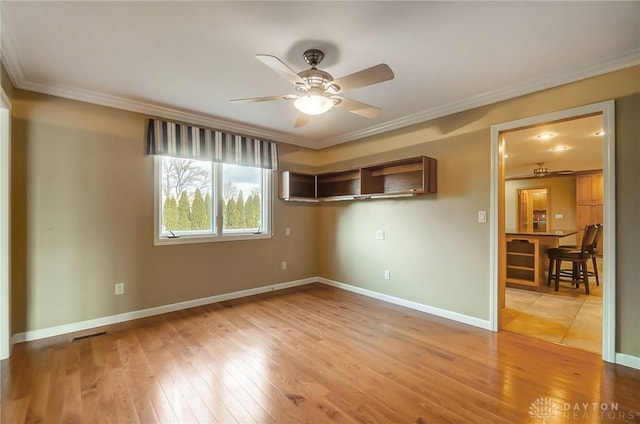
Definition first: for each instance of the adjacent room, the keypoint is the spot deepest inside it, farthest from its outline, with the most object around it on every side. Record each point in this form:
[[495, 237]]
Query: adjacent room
[[283, 212], [548, 206]]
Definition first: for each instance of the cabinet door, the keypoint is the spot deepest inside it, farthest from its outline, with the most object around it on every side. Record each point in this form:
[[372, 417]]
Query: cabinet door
[[597, 188], [589, 188], [584, 191]]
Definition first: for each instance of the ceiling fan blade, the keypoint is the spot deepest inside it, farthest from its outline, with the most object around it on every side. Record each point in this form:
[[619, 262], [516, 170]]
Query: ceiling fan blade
[[266, 99], [301, 121], [358, 108], [281, 68], [369, 76], [563, 172]]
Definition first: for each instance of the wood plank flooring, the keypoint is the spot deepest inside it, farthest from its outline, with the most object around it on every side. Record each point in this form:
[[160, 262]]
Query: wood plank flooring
[[311, 354]]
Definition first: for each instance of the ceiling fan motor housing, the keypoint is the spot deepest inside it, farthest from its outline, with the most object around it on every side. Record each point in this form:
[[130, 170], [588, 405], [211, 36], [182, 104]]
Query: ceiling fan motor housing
[[315, 78]]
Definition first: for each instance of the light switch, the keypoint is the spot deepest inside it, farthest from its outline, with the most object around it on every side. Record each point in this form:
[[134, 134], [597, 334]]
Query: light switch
[[482, 216], [559, 216], [379, 234], [287, 231]]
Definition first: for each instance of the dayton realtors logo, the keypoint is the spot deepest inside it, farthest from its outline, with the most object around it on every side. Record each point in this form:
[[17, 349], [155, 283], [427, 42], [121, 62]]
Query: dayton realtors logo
[[544, 408]]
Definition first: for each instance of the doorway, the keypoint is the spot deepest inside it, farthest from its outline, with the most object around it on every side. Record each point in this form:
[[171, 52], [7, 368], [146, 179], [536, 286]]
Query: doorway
[[498, 217], [532, 209]]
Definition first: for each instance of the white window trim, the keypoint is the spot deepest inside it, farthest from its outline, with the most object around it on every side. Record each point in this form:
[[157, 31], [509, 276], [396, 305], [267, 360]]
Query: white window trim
[[160, 240]]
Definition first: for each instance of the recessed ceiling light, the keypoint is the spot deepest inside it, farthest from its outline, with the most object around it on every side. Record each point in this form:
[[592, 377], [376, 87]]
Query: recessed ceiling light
[[559, 148], [601, 132], [545, 136]]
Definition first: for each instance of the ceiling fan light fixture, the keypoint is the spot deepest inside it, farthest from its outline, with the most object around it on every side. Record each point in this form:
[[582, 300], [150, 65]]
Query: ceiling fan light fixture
[[540, 171], [313, 104]]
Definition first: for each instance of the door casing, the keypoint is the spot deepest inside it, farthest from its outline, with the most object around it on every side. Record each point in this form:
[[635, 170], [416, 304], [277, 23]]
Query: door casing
[[497, 218]]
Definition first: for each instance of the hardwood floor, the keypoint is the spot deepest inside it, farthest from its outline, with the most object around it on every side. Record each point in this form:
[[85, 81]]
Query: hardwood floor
[[311, 354]]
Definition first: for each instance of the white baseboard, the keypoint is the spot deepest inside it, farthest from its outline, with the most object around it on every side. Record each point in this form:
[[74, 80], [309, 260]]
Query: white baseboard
[[620, 358], [143, 313], [628, 360], [443, 313]]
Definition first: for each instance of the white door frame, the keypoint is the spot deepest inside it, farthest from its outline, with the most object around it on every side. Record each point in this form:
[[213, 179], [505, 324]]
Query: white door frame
[[607, 109], [5, 226]]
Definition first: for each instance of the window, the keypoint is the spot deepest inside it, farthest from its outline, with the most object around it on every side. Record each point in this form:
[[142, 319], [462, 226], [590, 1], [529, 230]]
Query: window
[[202, 201]]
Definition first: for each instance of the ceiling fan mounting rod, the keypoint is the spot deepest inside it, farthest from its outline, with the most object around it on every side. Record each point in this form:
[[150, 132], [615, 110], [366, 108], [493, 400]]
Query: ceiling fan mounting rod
[[313, 57]]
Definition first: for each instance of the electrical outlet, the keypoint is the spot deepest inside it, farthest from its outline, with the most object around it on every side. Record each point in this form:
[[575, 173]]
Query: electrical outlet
[[120, 288], [284, 264], [387, 274]]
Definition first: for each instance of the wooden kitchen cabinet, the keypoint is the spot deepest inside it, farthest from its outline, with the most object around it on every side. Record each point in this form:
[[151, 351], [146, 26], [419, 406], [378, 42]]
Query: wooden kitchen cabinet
[[589, 202], [589, 188]]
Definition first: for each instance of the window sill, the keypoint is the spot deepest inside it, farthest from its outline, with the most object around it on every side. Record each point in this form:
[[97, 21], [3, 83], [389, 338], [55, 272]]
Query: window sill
[[168, 241]]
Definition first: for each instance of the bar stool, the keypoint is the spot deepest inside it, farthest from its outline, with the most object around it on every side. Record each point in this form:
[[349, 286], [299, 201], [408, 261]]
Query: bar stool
[[578, 257], [593, 250]]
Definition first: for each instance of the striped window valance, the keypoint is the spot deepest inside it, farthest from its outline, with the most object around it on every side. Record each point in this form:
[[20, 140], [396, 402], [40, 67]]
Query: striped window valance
[[191, 142]]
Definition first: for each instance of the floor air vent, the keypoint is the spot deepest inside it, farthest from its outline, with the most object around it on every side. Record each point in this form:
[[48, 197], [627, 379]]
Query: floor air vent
[[89, 336]]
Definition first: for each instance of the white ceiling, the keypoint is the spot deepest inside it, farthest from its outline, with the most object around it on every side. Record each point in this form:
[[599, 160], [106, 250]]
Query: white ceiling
[[584, 149], [185, 60]]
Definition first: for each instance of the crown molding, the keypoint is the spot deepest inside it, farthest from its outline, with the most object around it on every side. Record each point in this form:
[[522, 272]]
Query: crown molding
[[625, 61], [148, 108], [15, 70]]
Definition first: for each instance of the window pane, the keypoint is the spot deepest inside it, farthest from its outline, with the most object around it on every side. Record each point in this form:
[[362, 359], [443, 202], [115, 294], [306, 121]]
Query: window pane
[[242, 197], [186, 191]]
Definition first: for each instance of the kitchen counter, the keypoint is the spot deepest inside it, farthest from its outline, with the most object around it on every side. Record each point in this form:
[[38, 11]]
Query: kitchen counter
[[527, 261], [554, 233]]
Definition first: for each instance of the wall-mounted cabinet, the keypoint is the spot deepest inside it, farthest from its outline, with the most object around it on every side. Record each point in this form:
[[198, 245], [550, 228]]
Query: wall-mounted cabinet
[[297, 186], [344, 184], [406, 177]]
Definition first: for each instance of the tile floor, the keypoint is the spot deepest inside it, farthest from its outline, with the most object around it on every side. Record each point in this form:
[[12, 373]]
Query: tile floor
[[568, 317]]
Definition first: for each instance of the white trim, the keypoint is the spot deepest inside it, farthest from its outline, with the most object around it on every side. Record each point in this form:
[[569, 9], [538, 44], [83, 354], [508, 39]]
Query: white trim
[[494, 304], [143, 313], [620, 358], [628, 360], [16, 73], [432, 310], [5, 226], [609, 242], [607, 109], [267, 211]]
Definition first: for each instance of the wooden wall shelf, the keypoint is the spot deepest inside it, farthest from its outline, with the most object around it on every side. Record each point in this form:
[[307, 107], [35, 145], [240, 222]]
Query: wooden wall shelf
[[401, 178]]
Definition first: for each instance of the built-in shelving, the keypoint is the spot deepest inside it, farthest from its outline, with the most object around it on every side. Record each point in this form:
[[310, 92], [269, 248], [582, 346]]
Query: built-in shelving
[[298, 186], [406, 177], [522, 263], [339, 184]]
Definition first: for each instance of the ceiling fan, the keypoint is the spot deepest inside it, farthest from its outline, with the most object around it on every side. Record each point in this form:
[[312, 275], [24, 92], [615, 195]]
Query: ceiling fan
[[318, 91], [541, 171]]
